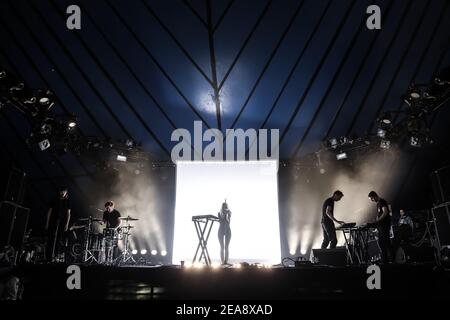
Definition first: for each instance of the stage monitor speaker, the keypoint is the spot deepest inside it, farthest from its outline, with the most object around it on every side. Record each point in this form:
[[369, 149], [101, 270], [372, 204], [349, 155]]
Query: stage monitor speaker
[[440, 182], [441, 218], [331, 257], [13, 224]]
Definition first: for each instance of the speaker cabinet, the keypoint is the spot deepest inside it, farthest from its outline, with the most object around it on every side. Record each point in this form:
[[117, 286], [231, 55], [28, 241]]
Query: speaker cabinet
[[441, 218], [331, 257]]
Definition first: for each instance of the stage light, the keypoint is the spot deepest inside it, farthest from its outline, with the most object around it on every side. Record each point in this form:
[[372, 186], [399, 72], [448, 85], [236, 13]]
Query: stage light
[[143, 251], [292, 252], [415, 141], [251, 190], [154, 252], [44, 100], [215, 265], [381, 133], [134, 252], [333, 142], [385, 144], [341, 156], [121, 158], [322, 171], [414, 94], [72, 124], [44, 144], [164, 253]]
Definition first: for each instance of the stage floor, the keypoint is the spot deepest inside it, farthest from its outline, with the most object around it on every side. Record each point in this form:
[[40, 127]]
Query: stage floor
[[172, 282]]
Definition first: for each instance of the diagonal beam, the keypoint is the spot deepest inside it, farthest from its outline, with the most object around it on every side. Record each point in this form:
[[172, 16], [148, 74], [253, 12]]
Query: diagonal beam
[[403, 59], [117, 88], [177, 42], [356, 77], [331, 85], [222, 16], [158, 65], [212, 56], [425, 53], [195, 13], [295, 65], [269, 61], [379, 68], [130, 70], [246, 41], [77, 66], [317, 72]]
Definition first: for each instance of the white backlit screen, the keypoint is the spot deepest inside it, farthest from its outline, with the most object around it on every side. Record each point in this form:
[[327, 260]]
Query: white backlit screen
[[251, 191]]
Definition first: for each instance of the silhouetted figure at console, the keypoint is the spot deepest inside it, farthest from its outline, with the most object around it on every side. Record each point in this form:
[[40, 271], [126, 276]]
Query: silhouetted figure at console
[[383, 223], [328, 220]]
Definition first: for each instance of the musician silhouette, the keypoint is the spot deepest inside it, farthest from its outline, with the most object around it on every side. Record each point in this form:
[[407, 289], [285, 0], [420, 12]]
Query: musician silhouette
[[224, 232]]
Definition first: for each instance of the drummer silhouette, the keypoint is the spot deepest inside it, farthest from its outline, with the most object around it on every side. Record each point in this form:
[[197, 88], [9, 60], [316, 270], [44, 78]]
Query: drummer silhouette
[[111, 216]]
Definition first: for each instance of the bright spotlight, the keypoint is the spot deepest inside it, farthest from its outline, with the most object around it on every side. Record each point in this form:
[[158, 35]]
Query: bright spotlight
[[121, 158], [385, 144], [292, 252], [341, 156], [143, 251], [381, 133], [44, 100], [134, 251], [154, 252], [215, 265], [44, 144], [72, 124], [250, 188], [164, 253], [415, 95]]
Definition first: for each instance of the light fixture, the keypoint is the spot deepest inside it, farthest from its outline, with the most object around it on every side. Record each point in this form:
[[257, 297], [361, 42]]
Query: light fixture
[[134, 251], [414, 95], [415, 141], [333, 142], [143, 251], [72, 124], [341, 156], [381, 133], [322, 171], [385, 144], [44, 100], [44, 144], [164, 253], [154, 252], [121, 158], [292, 252]]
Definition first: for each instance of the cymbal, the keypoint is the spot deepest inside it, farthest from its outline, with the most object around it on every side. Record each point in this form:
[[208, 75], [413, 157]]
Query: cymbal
[[128, 218], [91, 219]]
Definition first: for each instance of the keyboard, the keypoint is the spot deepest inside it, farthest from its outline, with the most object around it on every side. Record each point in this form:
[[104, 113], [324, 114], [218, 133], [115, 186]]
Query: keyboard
[[205, 217]]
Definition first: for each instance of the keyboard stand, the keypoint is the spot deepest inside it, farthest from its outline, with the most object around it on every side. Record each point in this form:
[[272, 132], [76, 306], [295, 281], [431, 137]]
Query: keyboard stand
[[203, 227]]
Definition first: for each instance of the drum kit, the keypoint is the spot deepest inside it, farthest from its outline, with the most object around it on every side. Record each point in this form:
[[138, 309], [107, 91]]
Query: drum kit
[[102, 247]]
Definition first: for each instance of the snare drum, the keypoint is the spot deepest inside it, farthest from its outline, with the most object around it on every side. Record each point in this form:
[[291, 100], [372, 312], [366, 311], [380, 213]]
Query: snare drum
[[110, 236]]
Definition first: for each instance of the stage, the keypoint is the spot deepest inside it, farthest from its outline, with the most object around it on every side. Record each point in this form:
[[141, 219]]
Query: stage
[[42, 282]]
